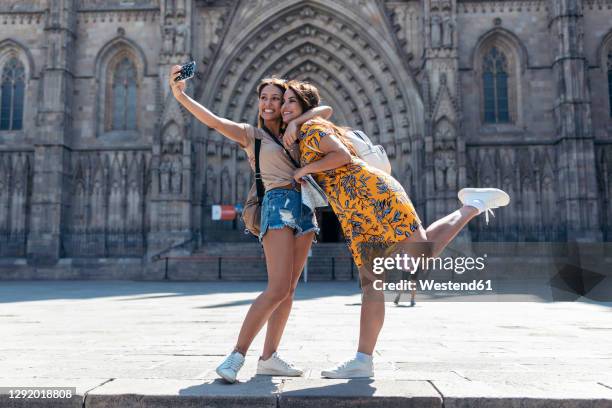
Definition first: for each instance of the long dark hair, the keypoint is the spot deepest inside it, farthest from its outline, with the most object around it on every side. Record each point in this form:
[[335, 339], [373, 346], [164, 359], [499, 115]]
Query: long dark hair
[[308, 98], [277, 82]]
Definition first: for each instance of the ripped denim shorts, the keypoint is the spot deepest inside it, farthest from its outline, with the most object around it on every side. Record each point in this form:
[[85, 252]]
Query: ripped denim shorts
[[283, 208]]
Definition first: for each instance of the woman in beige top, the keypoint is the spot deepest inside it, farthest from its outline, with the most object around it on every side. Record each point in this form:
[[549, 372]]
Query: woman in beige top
[[287, 226]]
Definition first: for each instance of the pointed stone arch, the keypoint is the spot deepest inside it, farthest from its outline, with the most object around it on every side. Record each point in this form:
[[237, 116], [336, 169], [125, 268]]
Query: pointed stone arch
[[110, 55], [517, 61], [329, 69], [332, 92], [172, 113], [505, 39], [12, 48], [171, 136], [362, 54], [603, 50], [444, 103], [343, 114]]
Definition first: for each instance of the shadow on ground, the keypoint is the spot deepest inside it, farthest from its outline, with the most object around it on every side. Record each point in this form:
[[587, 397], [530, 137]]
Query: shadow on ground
[[29, 291]]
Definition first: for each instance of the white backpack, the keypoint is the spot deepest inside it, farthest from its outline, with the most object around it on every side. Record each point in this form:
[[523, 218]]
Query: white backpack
[[374, 155]]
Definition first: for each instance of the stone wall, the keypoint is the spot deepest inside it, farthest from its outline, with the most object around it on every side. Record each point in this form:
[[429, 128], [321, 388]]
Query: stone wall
[[407, 72]]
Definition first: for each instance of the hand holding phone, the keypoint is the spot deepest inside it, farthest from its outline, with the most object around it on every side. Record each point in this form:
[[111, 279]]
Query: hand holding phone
[[187, 71]]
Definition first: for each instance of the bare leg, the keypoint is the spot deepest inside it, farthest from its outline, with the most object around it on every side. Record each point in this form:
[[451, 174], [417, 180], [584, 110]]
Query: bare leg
[[439, 234], [372, 317], [442, 231], [278, 247], [278, 319]]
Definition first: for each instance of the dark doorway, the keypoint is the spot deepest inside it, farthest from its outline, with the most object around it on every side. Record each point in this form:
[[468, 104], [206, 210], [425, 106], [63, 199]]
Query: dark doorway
[[331, 231]]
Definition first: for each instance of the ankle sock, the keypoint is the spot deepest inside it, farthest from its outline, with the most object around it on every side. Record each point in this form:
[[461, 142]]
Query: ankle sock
[[363, 357], [478, 204]]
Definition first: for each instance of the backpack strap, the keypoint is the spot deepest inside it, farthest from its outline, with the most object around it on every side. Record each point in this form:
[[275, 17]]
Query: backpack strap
[[258, 182], [360, 135], [296, 164]]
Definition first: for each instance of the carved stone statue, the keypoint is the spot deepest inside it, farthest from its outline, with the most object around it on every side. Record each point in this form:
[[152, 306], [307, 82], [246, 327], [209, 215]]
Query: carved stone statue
[[211, 186], [451, 171], [168, 40], [448, 26], [179, 41], [180, 8], [439, 170], [177, 177], [436, 31], [164, 177], [169, 8], [445, 173]]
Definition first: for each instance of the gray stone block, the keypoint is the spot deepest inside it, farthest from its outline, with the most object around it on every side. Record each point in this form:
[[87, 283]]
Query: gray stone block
[[259, 392], [492, 394], [364, 392], [76, 401]]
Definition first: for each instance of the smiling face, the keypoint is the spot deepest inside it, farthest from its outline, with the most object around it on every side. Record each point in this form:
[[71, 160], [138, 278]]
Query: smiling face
[[291, 108], [270, 99]]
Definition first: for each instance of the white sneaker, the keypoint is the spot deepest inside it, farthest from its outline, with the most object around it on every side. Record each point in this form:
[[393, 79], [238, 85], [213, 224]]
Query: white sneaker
[[484, 199], [277, 366], [351, 369], [228, 370]]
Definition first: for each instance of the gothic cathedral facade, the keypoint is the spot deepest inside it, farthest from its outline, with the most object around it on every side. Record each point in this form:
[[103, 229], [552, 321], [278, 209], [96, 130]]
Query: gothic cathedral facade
[[98, 160]]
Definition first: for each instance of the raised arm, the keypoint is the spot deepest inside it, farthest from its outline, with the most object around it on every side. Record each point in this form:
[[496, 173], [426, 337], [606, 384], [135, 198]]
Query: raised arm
[[226, 127], [293, 128]]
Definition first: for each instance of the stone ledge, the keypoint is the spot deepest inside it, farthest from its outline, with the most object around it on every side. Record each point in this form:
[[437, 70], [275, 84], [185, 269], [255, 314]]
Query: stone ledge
[[76, 401], [277, 392]]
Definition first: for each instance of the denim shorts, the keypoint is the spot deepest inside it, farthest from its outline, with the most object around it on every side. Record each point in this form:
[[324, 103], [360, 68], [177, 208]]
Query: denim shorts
[[283, 208]]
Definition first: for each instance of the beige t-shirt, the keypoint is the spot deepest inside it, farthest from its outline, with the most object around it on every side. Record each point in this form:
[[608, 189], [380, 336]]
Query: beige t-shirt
[[276, 168]]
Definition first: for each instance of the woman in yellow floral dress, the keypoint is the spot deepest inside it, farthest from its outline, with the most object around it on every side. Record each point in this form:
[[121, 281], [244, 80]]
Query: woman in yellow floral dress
[[374, 212], [371, 206]]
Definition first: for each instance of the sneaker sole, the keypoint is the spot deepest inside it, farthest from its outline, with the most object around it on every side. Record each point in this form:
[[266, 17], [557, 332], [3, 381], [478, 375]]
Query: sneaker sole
[[277, 373], [335, 377], [228, 379], [505, 198]]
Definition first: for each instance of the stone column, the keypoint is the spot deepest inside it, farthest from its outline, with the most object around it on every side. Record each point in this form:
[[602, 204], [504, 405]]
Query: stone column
[[444, 145], [572, 109], [51, 145], [171, 162]]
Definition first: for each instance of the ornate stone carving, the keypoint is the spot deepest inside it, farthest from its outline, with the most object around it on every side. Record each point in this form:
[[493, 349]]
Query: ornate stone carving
[[448, 26], [180, 8], [176, 171], [169, 7], [436, 31], [366, 65], [168, 40], [445, 173], [180, 39]]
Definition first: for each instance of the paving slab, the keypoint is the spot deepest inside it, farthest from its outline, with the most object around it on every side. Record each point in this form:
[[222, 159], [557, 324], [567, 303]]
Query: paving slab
[[538, 394], [160, 342], [259, 392], [358, 393]]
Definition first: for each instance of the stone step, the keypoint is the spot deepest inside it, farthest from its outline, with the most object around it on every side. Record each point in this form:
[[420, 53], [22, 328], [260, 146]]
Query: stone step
[[279, 392]]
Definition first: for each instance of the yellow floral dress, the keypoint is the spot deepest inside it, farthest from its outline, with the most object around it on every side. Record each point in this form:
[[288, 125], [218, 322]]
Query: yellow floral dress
[[372, 206]]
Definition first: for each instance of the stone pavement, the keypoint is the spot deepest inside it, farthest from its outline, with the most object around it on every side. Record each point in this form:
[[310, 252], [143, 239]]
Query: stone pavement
[[156, 344]]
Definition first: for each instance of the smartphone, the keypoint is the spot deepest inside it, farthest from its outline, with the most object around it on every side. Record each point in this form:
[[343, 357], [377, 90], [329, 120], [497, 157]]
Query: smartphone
[[187, 71]]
